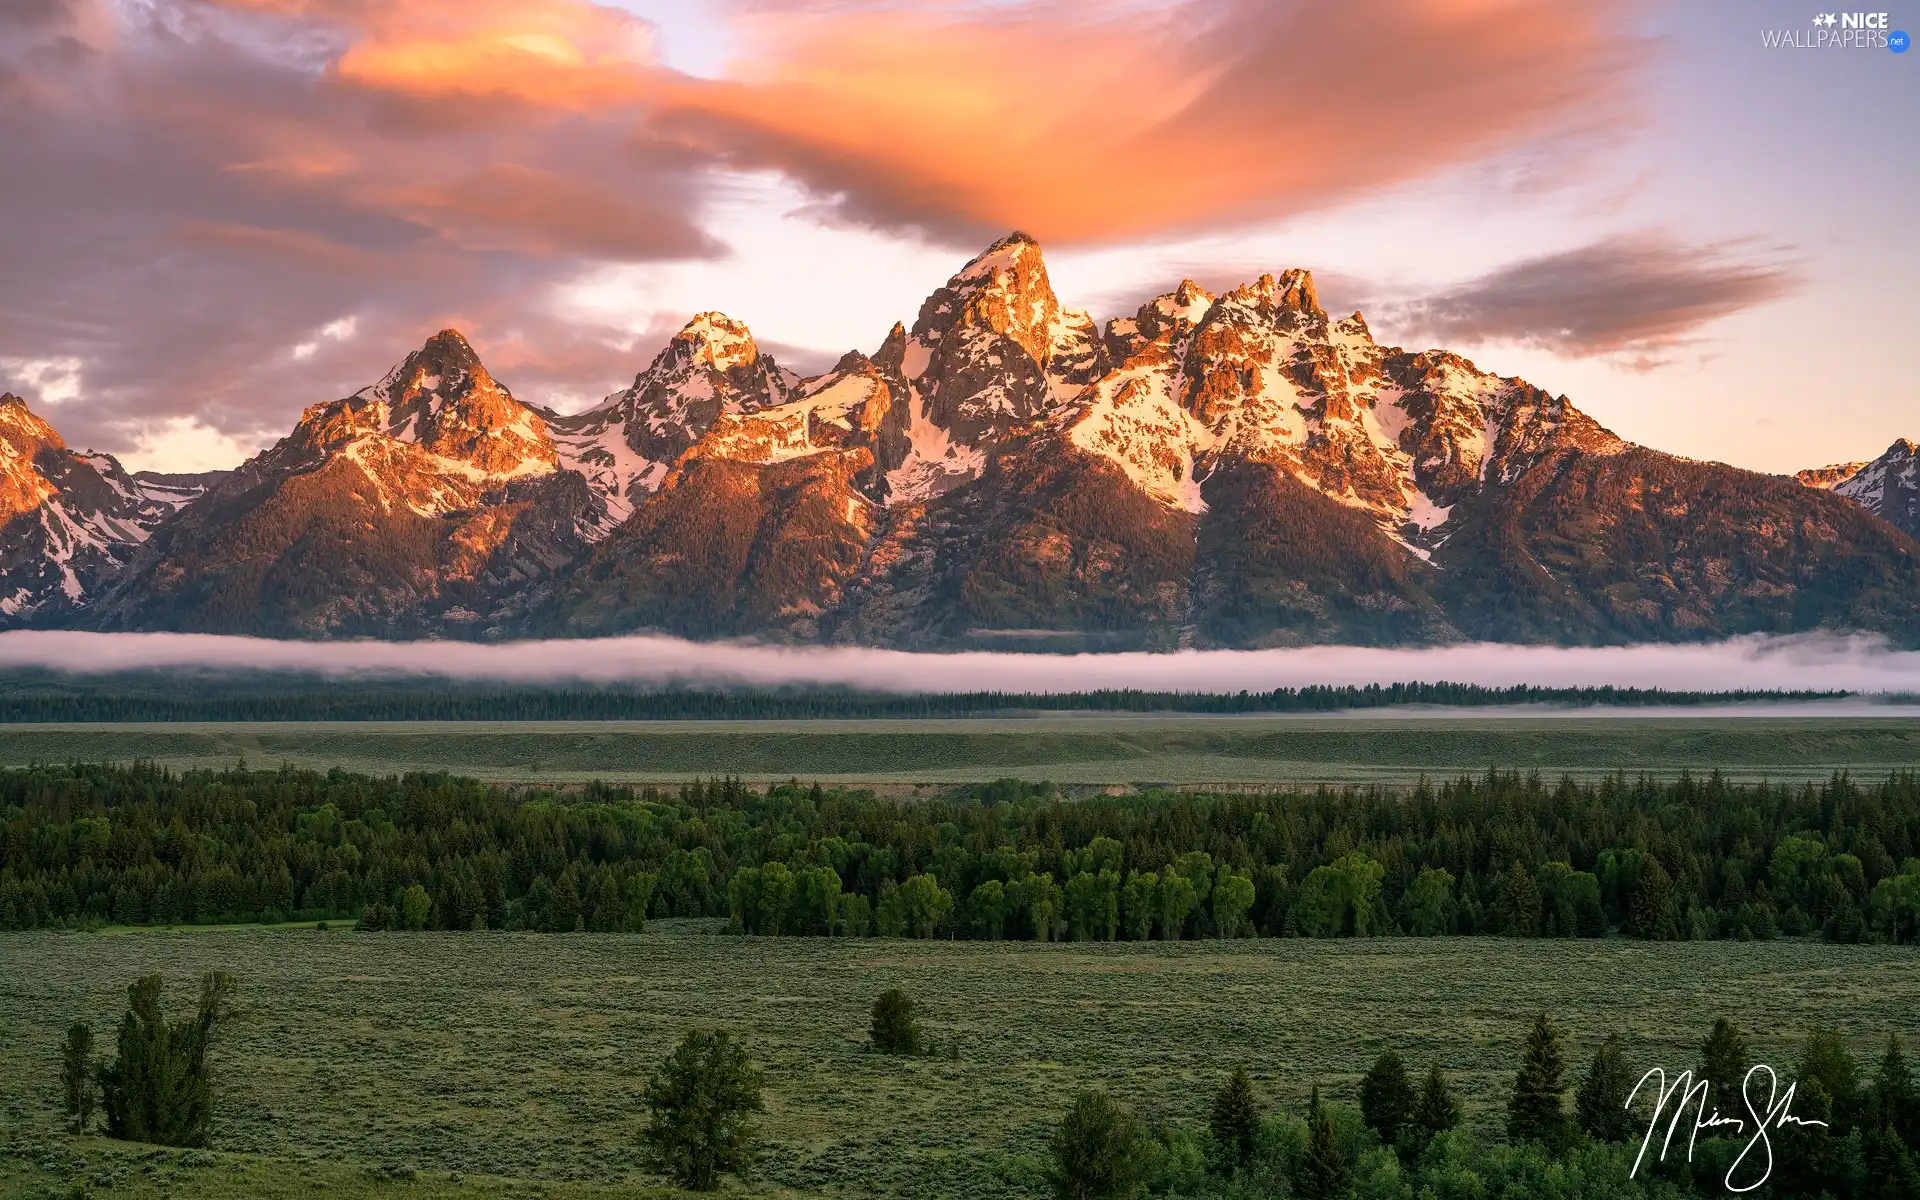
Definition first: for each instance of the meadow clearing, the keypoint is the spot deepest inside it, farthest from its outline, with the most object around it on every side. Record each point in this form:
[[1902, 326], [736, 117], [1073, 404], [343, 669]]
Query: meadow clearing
[[1102, 749], [510, 1065]]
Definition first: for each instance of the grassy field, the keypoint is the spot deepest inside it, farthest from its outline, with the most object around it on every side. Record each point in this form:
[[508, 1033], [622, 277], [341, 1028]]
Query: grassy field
[[1104, 749], [510, 1065]]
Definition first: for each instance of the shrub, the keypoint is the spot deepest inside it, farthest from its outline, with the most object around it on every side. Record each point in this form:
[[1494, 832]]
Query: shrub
[[895, 1028]]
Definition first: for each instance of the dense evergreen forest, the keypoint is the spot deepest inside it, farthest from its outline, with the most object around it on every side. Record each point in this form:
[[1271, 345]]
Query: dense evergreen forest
[[1499, 854], [47, 697]]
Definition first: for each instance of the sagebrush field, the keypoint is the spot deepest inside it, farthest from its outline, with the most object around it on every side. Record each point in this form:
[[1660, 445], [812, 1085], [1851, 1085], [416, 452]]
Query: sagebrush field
[[1091, 749], [510, 1065]]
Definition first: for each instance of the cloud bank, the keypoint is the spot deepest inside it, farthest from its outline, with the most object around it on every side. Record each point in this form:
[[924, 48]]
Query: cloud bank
[[1819, 662], [1636, 295], [196, 189]]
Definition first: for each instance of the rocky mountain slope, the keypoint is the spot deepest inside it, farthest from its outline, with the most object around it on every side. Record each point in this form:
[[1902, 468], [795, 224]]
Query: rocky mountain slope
[[1232, 470], [1888, 486], [401, 510], [70, 521]]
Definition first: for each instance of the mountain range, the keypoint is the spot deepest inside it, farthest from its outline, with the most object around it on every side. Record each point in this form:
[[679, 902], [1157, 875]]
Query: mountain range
[[1237, 470]]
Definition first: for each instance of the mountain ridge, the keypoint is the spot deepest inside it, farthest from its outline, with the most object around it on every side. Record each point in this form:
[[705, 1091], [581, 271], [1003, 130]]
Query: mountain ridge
[[1240, 469]]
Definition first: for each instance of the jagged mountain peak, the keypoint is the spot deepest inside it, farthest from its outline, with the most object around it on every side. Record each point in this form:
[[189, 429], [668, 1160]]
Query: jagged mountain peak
[[1294, 290], [24, 431], [892, 353], [1003, 289], [440, 398], [1888, 486], [712, 339]]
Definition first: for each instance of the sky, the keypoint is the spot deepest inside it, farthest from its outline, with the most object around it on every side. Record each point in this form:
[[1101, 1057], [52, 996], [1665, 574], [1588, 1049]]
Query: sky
[[214, 213]]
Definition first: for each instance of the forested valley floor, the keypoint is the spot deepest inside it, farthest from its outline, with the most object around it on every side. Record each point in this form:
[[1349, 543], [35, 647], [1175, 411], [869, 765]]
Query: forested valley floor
[[451, 988]]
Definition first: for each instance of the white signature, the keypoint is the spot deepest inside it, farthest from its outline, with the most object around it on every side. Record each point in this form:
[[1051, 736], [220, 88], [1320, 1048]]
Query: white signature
[[1694, 1092]]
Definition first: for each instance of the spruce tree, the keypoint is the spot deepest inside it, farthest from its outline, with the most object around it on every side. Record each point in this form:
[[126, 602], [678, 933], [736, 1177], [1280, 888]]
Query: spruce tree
[[1322, 1171], [1097, 1151], [1437, 1110], [1386, 1097], [1534, 1113], [1235, 1120], [1651, 914], [1723, 1063], [1600, 1106], [76, 1074], [1826, 1059], [1893, 1095]]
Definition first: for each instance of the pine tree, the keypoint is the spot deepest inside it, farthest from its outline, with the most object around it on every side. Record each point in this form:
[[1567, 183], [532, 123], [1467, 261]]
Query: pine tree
[[1097, 1151], [1437, 1110], [1893, 1095], [1386, 1097], [1535, 1113], [1652, 914], [1235, 1119], [1600, 1106], [1723, 1063], [1322, 1171], [76, 1074], [159, 1088], [701, 1099], [1826, 1059]]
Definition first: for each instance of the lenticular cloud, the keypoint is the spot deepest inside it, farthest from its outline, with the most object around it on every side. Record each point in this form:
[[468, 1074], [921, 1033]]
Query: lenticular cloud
[[1803, 662]]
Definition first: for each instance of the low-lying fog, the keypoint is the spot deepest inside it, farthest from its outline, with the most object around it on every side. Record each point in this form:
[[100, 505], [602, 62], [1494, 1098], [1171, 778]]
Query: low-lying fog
[[1808, 662]]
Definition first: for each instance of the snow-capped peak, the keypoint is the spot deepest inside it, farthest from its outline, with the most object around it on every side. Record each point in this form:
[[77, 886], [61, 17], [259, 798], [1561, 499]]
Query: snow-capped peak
[[715, 340]]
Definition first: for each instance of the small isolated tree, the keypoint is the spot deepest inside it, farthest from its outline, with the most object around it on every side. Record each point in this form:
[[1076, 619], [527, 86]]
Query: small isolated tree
[[1437, 1110], [1723, 1063], [1600, 1106], [1235, 1120], [159, 1089], [896, 1030], [76, 1074], [1535, 1112], [702, 1098], [1322, 1171], [1386, 1097], [1097, 1151]]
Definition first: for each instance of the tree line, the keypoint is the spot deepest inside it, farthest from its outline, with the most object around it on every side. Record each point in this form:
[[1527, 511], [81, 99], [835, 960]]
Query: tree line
[[1502, 854], [1853, 1133], [63, 699]]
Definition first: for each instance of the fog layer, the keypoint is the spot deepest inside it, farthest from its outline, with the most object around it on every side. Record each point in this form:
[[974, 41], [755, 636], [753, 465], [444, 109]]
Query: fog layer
[[1803, 662]]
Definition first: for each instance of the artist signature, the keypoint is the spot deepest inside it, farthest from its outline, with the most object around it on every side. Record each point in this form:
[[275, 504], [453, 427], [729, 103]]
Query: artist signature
[[1777, 1109]]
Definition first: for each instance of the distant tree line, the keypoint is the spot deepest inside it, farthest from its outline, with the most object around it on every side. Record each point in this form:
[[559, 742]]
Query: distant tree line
[[1504, 854], [59, 698]]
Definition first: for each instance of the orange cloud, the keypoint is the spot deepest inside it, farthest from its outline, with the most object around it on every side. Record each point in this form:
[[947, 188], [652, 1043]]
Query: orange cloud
[[1126, 122], [551, 53]]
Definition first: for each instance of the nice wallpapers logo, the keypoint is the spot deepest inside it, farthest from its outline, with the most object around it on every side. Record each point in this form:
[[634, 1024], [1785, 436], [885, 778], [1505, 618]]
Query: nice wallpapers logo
[[1840, 31]]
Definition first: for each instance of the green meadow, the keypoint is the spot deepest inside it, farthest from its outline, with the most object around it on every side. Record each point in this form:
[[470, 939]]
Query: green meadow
[[510, 1065]]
